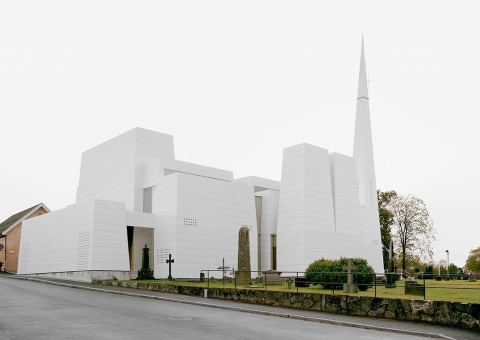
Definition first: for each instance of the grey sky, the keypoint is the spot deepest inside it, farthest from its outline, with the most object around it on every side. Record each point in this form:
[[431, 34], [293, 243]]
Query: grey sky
[[237, 81]]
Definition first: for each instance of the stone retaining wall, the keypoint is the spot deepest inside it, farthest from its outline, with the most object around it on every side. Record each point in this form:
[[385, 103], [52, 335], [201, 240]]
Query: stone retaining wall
[[456, 314]]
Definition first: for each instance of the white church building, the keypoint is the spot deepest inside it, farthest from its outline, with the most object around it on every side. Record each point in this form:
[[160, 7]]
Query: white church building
[[133, 192]]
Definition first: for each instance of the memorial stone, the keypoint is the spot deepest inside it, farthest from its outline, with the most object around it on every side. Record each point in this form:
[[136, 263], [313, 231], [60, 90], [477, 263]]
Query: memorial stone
[[414, 288], [350, 287], [272, 277], [170, 261], [390, 271], [145, 273], [243, 270]]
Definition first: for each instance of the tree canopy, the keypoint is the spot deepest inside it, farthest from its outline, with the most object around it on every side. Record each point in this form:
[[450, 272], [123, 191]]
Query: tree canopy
[[473, 261], [413, 229], [386, 221], [331, 275]]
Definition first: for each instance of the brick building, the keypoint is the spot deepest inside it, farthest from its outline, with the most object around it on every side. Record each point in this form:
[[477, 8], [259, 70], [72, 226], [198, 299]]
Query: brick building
[[10, 234]]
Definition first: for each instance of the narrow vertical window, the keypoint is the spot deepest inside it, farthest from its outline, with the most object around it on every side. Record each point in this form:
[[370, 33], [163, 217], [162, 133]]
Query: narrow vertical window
[[147, 200]]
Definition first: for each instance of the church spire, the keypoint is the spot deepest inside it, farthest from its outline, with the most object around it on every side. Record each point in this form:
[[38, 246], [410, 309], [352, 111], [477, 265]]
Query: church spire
[[367, 186], [363, 146], [362, 79]]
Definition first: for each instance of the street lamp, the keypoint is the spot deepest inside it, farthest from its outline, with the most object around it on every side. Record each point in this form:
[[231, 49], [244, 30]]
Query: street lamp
[[448, 262]]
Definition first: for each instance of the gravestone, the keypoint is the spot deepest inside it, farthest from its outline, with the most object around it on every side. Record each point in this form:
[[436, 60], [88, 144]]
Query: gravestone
[[289, 281], [350, 287], [301, 282], [224, 269], [170, 261], [390, 274], [272, 277], [414, 288], [243, 274], [145, 273]]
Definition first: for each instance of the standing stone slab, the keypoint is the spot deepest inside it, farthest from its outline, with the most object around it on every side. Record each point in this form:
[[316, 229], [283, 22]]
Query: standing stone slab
[[243, 269], [350, 287], [390, 275]]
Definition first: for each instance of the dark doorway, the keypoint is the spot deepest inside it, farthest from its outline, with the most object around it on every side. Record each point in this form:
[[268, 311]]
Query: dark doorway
[[274, 252], [130, 246]]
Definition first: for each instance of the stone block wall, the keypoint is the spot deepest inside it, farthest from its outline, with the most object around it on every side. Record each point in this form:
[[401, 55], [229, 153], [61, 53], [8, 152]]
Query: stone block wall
[[456, 314]]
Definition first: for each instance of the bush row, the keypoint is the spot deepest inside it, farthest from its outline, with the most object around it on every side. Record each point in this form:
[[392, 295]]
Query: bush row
[[331, 275]]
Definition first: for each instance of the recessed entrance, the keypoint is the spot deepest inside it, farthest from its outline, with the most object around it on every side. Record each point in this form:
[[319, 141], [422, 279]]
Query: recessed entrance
[[274, 251]]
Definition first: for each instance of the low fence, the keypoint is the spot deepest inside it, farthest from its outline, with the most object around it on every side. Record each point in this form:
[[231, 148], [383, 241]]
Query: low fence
[[412, 284]]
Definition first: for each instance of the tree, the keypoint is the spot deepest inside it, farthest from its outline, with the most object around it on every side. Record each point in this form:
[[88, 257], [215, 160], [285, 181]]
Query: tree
[[386, 221], [473, 261], [443, 267], [453, 269], [413, 229], [331, 275]]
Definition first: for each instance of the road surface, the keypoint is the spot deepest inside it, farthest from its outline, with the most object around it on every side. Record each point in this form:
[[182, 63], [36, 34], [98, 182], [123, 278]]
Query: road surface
[[32, 310]]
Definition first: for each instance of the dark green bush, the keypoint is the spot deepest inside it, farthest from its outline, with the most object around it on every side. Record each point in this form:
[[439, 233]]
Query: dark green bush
[[330, 275]]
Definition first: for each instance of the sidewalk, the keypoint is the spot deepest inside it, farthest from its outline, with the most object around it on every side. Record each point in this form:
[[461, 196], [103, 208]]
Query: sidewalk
[[433, 331]]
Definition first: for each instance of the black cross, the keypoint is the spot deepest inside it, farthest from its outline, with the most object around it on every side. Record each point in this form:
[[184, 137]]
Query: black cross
[[170, 261]]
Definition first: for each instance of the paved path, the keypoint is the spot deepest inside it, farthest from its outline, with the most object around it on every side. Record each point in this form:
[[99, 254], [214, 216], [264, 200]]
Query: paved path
[[40, 311]]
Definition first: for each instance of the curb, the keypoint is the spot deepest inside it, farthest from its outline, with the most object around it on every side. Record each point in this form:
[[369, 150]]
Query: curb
[[245, 310]]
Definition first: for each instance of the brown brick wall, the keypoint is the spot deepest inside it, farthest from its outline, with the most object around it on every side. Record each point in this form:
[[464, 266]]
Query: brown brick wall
[[13, 244], [2, 252]]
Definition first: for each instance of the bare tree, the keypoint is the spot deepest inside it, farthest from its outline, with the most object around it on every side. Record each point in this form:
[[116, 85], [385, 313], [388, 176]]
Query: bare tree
[[413, 229]]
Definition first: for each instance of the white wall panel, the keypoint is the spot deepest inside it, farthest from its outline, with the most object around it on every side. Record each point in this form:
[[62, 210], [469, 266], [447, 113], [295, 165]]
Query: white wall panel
[[201, 223], [305, 214], [114, 170], [84, 236]]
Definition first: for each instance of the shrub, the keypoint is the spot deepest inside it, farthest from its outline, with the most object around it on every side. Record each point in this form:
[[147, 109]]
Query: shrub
[[330, 275]]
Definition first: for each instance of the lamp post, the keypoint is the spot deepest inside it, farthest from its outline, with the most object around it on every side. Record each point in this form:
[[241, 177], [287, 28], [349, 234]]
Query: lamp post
[[448, 262]]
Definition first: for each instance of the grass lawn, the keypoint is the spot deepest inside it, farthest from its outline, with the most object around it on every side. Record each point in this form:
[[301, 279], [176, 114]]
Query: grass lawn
[[459, 290]]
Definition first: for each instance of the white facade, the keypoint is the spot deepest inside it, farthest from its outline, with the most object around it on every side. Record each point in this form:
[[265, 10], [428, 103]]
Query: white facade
[[133, 192], [306, 221], [87, 236], [198, 219]]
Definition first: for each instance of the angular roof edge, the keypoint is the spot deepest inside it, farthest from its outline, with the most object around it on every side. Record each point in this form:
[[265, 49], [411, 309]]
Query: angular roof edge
[[15, 219]]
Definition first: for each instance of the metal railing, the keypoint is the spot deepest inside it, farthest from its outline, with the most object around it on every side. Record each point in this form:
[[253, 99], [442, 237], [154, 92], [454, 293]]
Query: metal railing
[[414, 284]]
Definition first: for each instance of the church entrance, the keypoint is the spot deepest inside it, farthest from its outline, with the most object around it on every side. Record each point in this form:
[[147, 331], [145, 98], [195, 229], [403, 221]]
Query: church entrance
[[137, 238], [130, 246], [274, 252]]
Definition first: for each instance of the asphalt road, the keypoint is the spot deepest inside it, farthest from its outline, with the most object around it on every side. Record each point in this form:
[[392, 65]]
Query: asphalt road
[[30, 310]]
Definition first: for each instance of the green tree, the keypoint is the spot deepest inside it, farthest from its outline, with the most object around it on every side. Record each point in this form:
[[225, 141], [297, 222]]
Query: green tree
[[386, 221], [330, 274], [453, 269], [473, 261], [415, 264], [413, 229]]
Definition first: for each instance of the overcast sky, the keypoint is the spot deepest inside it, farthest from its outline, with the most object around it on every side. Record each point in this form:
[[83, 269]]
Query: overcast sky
[[235, 82]]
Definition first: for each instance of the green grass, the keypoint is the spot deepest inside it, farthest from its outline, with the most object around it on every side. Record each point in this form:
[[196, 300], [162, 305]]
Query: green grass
[[460, 290]]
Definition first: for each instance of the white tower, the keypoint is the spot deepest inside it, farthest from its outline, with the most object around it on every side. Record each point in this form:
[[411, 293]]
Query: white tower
[[363, 154]]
